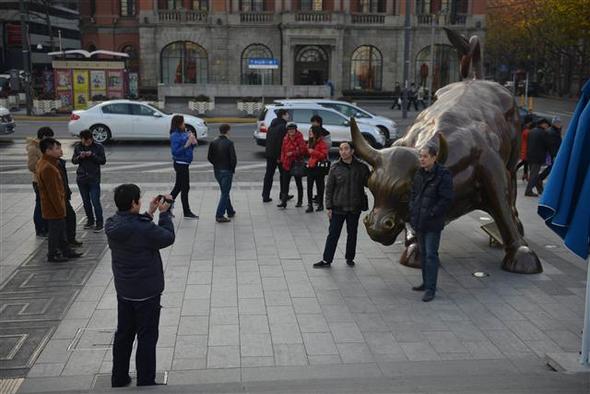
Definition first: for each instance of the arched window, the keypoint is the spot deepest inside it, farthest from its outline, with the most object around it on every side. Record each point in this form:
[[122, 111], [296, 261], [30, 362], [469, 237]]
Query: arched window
[[127, 7], [252, 5], [371, 6], [366, 68], [445, 66], [253, 76], [183, 62], [311, 5], [132, 61]]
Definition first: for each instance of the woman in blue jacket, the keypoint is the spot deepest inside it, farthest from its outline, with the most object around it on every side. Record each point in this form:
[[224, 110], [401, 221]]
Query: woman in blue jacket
[[182, 143]]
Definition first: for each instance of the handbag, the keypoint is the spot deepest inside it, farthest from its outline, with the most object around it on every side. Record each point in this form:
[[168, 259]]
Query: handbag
[[297, 169], [324, 167]]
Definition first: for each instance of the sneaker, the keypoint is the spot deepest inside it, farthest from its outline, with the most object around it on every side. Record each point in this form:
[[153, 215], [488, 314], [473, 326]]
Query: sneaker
[[191, 216], [267, 199], [98, 228], [419, 288], [231, 215], [222, 219], [531, 194], [321, 264], [282, 205], [57, 259], [299, 205], [75, 243], [88, 225], [309, 209], [428, 296], [350, 263]]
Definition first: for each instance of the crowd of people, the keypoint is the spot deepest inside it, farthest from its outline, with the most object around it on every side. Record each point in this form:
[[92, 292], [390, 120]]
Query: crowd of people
[[416, 97]]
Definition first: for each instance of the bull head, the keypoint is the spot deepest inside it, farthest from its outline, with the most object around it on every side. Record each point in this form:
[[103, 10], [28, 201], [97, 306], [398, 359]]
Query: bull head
[[390, 183]]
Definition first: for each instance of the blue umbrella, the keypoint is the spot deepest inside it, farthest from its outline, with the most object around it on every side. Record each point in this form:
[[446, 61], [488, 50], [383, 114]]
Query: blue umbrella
[[565, 203]]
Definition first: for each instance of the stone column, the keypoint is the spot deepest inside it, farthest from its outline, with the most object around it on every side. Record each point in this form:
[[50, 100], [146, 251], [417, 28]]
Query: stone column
[[390, 7], [346, 5], [288, 5], [337, 4], [235, 5], [278, 5]]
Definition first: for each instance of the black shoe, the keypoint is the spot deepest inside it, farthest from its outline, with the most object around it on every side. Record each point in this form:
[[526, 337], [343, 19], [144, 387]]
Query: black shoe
[[299, 204], [121, 384], [428, 296], [266, 199], [57, 259], [282, 205], [419, 288], [222, 219], [321, 264], [350, 263], [315, 199], [309, 209], [74, 243], [191, 216], [289, 197], [531, 194], [42, 235], [73, 255], [88, 225], [231, 215], [99, 227], [319, 208]]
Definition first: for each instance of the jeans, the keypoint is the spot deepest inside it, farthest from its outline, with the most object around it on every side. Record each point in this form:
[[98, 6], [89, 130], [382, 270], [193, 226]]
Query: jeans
[[534, 180], [224, 178], [56, 240], [139, 318], [285, 181], [70, 222], [428, 245], [40, 223], [315, 176], [182, 186], [336, 223], [90, 193], [271, 167]]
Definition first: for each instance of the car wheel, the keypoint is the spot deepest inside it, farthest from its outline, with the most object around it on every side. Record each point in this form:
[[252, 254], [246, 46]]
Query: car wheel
[[384, 132], [371, 140], [101, 133]]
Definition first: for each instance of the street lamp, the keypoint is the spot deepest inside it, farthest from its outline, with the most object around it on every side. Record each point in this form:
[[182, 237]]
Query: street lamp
[[26, 50]]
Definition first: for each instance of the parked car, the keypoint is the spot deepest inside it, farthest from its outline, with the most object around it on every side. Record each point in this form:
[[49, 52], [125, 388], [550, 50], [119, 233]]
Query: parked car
[[7, 124], [386, 125], [335, 122], [130, 120]]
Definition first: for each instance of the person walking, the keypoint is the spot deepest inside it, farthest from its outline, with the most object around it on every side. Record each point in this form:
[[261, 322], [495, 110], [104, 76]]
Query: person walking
[[89, 156], [345, 199], [317, 121], [537, 152], [53, 205], [524, 136], [33, 156], [222, 154], [421, 95], [431, 197], [397, 96], [70, 212], [274, 142], [293, 152], [412, 97], [182, 144], [135, 242], [318, 152], [553, 145]]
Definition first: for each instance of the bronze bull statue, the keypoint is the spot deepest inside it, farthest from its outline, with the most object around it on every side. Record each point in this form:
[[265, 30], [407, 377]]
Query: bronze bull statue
[[477, 126]]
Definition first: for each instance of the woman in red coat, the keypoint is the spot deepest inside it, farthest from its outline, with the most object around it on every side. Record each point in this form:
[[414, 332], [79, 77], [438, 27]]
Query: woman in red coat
[[523, 149], [293, 150], [318, 152]]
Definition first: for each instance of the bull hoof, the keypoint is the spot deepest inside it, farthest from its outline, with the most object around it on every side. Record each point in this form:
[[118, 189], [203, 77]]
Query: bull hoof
[[411, 257], [522, 261]]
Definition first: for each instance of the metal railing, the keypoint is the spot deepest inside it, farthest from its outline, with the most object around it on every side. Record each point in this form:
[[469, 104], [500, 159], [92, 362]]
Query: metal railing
[[457, 19], [314, 17], [180, 16], [256, 17], [368, 19]]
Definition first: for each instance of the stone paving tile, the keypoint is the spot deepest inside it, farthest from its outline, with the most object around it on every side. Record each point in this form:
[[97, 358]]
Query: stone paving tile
[[224, 335], [223, 357], [306, 305], [346, 332], [419, 351], [312, 323], [254, 324], [319, 344], [84, 362], [285, 333], [45, 370], [256, 345], [290, 354], [193, 325], [190, 346], [355, 353], [252, 306], [444, 342], [183, 364], [223, 316]]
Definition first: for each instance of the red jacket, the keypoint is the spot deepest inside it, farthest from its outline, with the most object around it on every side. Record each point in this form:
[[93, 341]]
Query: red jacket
[[318, 153], [297, 146], [524, 144]]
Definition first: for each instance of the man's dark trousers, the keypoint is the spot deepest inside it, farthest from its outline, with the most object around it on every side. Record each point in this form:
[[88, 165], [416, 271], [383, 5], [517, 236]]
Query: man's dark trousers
[[271, 167], [139, 318], [534, 169], [428, 243], [56, 239], [90, 193], [224, 178], [70, 222], [336, 223]]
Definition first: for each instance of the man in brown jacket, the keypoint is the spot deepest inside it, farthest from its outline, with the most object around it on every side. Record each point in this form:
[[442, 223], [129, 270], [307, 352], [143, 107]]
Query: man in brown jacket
[[53, 201], [33, 156]]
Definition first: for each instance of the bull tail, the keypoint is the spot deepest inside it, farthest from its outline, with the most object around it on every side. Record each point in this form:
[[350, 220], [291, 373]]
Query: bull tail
[[469, 53]]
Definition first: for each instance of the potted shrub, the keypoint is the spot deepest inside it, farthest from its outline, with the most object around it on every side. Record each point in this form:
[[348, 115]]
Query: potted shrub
[[45, 103], [4, 99], [250, 105], [201, 104]]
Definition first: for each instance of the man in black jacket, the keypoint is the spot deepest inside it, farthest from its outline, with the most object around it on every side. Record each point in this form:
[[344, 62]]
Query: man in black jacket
[[536, 156], [345, 199], [274, 142], [432, 194], [70, 213], [89, 156], [222, 154], [135, 243], [553, 145]]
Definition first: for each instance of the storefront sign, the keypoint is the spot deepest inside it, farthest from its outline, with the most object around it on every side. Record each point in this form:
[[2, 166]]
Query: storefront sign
[[87, 65]]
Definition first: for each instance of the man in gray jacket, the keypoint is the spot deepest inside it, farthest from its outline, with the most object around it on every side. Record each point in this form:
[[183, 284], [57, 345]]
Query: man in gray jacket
[[345, 199]]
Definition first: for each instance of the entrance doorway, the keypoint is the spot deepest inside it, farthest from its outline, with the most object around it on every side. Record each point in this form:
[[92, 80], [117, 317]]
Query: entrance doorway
[[312, 65]]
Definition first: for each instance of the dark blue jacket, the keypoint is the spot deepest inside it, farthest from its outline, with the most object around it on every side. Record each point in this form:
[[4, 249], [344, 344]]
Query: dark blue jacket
[[178, 140], [432, 194], [88, 167], [135, 242]]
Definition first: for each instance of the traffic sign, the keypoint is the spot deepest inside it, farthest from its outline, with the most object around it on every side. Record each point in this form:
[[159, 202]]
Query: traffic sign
[[263, 63]]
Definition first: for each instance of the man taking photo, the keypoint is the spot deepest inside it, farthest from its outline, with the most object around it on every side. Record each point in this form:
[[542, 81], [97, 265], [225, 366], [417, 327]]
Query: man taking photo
[[135, 242]]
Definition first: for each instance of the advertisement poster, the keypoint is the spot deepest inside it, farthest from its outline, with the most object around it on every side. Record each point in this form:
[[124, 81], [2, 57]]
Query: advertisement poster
[[115, 84], [81, 86], [133, 85], [98, 83], [63, 86]]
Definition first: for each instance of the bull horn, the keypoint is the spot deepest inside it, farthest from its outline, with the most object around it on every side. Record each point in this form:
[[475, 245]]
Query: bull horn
[[362, 147], [443, 149]]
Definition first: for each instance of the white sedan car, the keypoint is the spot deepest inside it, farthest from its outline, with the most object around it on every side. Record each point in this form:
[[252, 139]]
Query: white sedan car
[[130, 120]]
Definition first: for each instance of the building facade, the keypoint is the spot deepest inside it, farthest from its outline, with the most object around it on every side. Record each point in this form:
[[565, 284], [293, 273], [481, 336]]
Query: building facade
[[183, 48]]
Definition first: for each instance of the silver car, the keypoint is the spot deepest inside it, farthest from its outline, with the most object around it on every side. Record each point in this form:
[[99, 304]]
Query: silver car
[[7, 124]]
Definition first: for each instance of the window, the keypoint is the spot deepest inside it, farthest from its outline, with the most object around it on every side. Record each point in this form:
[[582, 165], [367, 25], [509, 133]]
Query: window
[[371, 6], [183, 62], [312, 5], [127, 7], [366, 68], [302, 115], [252, 5], [116, 109], [200, 5], [330, 118], [92, 8], [253, 76], [347, 110], [141, 110]]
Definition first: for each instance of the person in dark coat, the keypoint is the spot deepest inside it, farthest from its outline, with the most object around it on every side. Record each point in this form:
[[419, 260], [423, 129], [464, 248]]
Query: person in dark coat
[[537, 152], [432, 194], [182, 144], [135, 242], [89, 156], [553, 145], [70, 213], [274, 142], [397, 95], [318, 153], [293, 152], [345, 199], [222, 154]]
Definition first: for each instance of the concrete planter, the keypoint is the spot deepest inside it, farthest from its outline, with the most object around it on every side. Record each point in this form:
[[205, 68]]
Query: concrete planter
[[201, 107], [4, 102], [41, 107], [22, 98], [250, 107]]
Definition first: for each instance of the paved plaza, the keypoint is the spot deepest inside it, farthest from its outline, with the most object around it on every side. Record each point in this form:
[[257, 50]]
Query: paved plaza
[[244, 311]]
